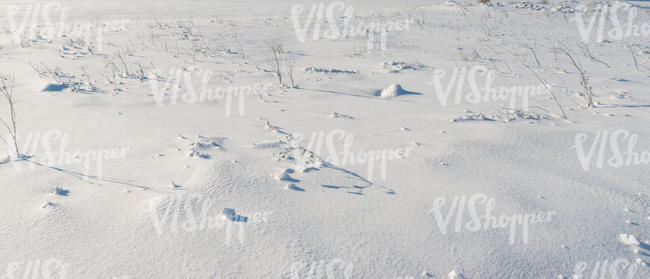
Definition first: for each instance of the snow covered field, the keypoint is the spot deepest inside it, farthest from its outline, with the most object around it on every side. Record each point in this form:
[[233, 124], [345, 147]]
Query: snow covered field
[[315, 139]]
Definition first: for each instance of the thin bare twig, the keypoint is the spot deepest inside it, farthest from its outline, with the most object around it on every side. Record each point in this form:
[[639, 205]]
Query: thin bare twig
[[551, 91], [7, 92], [584, 80], [634, 57], [534, 55]]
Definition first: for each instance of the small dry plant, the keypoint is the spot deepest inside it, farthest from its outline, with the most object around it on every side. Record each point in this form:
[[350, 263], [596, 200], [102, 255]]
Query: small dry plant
[[274, 57], [7, 92]]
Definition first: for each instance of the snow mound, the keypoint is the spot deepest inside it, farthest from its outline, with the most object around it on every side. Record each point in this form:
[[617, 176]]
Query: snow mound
[[628, 239], [392, 90], [456, 275]]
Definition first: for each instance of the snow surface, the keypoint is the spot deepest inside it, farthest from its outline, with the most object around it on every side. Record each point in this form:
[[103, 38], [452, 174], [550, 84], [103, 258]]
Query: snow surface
[[253, 203]]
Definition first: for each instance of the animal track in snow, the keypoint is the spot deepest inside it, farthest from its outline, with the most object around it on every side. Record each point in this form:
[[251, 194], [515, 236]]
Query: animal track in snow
[[504, 115], [291, 186], [283, 175], [60, 191], [201, 146]]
